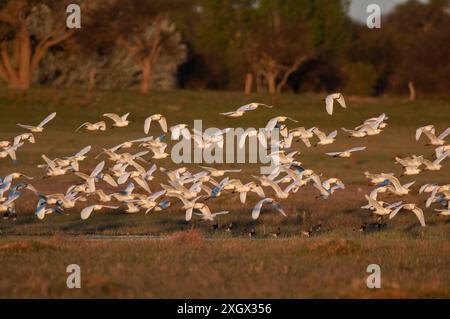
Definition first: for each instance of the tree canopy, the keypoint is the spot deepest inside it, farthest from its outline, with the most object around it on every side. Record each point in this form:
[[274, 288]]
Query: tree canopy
[[263, 45]]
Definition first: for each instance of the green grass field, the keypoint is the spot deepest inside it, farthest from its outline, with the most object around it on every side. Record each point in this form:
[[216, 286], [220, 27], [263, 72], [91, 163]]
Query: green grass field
[[197, 261]]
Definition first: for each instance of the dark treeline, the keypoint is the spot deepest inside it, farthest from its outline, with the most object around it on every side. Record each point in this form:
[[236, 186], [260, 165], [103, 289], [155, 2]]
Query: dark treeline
[[251, 45]]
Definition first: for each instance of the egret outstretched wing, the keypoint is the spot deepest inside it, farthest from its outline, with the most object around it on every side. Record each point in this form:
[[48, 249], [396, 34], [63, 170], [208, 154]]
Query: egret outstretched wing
[[47, 119]]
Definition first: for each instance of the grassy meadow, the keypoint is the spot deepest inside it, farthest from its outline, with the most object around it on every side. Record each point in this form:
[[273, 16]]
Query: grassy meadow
[[196, 261]]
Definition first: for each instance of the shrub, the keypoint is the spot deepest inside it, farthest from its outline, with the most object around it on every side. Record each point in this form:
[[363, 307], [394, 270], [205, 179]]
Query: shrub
[[360, 78]]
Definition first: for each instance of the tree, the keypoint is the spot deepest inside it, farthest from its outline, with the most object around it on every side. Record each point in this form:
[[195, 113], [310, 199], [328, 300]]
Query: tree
[[21, 51], [214, 31], [141, 27], [267, 41], [409, 52], [278, 42], [421, 34]]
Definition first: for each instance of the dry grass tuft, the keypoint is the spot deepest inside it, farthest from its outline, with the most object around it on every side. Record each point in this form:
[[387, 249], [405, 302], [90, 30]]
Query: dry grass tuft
[[23, 246], [14, 246], [188, 237], [334, 247]]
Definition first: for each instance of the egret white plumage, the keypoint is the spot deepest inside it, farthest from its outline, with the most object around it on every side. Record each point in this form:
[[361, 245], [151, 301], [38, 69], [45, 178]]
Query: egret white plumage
[[87, 211], [323, 138], [119, 121], [347, 153], [88, 126], [396, 187], [40, 127], [219, 172], [410, 207], [252, 133], [430, 128], [436, 164], [245, 108], [441, 150], [355, 133], [303, 134], [379, 208], [376, 178], [155, 117], [436, 140], [272, 123], [329, 101], [256, 211], [24, 137], [180, 130]]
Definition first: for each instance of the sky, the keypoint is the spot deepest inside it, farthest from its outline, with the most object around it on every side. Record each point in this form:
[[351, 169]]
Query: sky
[[358, 7]]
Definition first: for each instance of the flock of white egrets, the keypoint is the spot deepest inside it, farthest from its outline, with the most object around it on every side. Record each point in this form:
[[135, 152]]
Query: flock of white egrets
[[194, 190], [412, 166]]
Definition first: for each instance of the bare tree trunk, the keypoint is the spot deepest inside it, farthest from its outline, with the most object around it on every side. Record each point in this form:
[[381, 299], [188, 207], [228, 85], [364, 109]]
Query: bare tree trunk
[[271, 82], [91, 80], [146, 64], [146, 76], [91, 83], [269, 69], [16, 49], [259, 84], [7, 71], [150, 77], [248, 83], [3, 74], [294, 67], [19, 74], [412, 91], [25, 59]]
